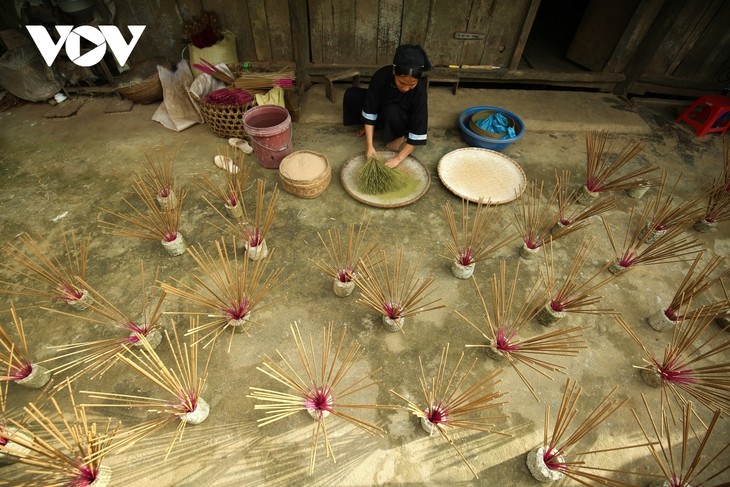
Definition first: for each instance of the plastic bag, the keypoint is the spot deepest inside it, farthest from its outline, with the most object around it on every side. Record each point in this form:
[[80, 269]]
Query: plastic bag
[[23, 73], [205, 83], [177, 111], [497, 124], [275, 96]]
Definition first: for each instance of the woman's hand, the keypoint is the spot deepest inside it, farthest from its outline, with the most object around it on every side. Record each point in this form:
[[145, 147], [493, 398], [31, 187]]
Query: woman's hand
[[393, 161], [370, 152], [402, 154]]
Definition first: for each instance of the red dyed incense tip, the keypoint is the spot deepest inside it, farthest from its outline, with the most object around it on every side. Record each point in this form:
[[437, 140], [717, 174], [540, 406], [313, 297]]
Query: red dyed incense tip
[[437, 414], [557, 306], [319, 401], [552, 460], [239, 310], [21, 372]]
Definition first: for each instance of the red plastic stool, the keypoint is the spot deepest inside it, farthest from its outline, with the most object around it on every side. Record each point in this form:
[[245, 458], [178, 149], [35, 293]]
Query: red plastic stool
[[707, 114]]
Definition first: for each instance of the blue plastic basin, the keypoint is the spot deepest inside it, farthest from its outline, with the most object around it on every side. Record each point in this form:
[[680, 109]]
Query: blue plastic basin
[[477, 140]]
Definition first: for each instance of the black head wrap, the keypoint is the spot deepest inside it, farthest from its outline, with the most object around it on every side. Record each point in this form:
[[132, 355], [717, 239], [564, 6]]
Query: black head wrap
[[410, 60]]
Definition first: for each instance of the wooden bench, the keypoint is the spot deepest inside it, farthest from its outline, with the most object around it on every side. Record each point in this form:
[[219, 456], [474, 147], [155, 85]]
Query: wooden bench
[[443, 79], [329, 80]]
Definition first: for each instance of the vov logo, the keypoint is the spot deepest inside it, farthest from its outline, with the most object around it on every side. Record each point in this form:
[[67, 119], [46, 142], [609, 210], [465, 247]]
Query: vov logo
[[71, 36]]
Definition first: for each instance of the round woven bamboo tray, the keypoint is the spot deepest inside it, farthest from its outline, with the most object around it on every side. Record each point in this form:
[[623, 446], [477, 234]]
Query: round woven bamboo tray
[[305, 174], [149, 89], [415, 172], [481, 115], [475, 173]]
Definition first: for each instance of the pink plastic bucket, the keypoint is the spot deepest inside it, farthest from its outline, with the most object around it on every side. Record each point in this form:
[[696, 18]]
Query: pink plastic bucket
[[269, 128]]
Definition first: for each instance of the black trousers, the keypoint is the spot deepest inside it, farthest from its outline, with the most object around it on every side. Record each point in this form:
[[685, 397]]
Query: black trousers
[[392, 120]]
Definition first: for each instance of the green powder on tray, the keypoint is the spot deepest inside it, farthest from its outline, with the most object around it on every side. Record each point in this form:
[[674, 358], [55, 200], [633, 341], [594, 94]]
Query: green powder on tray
[[377, 178]]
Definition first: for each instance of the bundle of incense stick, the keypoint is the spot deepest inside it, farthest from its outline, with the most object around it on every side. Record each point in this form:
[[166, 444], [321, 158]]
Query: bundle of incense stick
[[253, 81], [51, 276], [474, 240], [211, 69], [250, 81], [451, 403], [344, 256]]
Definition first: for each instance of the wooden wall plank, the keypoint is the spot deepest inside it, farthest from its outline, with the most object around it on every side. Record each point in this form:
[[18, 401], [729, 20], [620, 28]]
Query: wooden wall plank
[[479, 22], [316, 28], [366, 32], [446, 18], [343, 28], [329, 31], [390, 13], [259, 29], [697, 31], [334, 34], [414, 25], [524, 34], [599, 31], [300, 43], [163, 34], [709, 57], [280, 32], [508, 18], [673, 36], [634, 33]]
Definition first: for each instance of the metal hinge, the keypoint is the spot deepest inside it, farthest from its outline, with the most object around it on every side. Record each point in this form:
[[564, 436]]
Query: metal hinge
[[468, 36]]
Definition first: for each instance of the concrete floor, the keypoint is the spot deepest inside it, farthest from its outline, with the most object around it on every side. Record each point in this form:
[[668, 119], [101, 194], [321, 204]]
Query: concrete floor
[[77, 165]]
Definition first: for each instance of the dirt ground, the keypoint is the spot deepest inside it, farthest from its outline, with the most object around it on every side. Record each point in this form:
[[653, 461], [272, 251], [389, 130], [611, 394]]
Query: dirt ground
[[57, 174]]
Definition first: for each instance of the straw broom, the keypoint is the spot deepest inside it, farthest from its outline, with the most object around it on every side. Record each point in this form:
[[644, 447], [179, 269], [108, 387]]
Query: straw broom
[[343, 256], [475, 242], [322, 386], [377, 178], [506, 320], [229, 288], [74, 450], [181, 380], [52, 277], [566, 435], [683, 465], [392, 290], [96, 357], [450, 403], [691, 366]]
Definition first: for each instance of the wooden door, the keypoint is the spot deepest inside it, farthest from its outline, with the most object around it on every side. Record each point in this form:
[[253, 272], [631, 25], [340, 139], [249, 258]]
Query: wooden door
[[463, 32]]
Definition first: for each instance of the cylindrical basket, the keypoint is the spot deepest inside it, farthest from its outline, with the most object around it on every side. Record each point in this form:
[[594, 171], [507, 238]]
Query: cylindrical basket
[[305, 174], [224, 120]]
